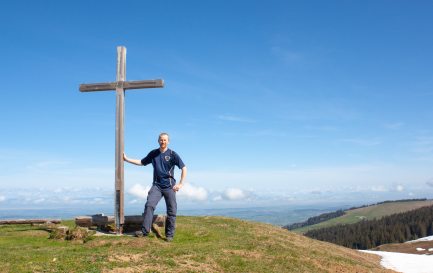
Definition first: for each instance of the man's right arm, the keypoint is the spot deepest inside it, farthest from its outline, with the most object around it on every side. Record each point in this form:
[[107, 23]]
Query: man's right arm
[[132, 161]]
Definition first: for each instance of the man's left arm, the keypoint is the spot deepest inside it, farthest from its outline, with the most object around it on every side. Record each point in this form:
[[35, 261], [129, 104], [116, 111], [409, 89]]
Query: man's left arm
[[178, 186]]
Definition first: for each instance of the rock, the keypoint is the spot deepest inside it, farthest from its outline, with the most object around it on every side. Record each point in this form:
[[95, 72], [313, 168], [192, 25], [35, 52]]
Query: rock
[[59, 232]]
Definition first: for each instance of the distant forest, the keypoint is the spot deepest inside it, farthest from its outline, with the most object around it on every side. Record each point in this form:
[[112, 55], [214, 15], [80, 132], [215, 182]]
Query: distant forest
[[316, 219], [330, 215], [396, 228]]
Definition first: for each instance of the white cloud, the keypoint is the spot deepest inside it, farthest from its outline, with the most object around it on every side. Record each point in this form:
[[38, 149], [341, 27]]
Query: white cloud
[[139, 191], [233, 194], [429, 182], [379, 188], [42, 197], [193, 193], [98, 201], [362, 141], [399, 188], [235, 118], [394, 126], [38, 201], [217, 198], [288, 179], [49, 165], [2, 198], [189, 192], [60, 175]]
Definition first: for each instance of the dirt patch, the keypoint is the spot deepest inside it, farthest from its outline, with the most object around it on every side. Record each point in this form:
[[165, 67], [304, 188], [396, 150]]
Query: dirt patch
[[250, 254], [145, 242], [127, 270], [186, 263], [103, 242], [201, 233], [421, 248], [135, 262], [137, 269], [223, 226], [96, 243], [127, 258]]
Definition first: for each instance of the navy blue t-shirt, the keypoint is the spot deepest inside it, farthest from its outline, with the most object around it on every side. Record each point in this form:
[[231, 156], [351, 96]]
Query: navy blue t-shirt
[[163, 167]]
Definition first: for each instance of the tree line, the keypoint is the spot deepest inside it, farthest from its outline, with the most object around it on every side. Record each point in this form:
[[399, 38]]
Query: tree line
[[396, 228], [316, 219]]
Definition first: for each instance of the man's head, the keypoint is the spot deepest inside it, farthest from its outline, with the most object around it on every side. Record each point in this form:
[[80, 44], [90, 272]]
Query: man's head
[[163, 140]]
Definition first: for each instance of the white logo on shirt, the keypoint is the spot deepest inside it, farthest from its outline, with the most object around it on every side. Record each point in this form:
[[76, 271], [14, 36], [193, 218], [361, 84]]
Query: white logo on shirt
[[167, 158]]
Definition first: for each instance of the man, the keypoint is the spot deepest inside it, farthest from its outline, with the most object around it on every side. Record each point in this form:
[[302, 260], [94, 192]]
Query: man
[[164, 185]]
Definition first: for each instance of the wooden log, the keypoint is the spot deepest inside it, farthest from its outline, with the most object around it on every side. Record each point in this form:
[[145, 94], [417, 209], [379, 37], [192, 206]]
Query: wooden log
[[101, 220], [29, 221], [94, 220], [83, 221], [134, 223], [159, 220]]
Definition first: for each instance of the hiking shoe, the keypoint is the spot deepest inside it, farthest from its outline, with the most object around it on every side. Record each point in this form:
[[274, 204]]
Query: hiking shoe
[[140, 234], [169, 239]]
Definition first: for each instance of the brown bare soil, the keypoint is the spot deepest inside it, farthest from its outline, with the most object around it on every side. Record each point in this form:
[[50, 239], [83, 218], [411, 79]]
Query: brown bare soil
[[409, 247]]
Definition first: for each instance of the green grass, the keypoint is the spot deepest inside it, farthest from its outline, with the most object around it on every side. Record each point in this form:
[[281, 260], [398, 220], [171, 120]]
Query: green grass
[[201, 244], [368, 213]]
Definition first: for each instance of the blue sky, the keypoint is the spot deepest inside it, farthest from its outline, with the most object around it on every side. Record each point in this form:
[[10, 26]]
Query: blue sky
[[267, 102]]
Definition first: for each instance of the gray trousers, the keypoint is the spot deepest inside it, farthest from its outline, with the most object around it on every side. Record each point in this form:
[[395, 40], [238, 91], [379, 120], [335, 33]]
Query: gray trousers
[[154, 196]]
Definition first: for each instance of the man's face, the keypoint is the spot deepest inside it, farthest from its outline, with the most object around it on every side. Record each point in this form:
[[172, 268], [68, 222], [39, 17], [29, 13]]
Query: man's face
[[163, 141]]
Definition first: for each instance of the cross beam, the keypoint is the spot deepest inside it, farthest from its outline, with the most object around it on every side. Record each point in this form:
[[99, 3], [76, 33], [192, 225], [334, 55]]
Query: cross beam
[[125, 85], [120, 85]]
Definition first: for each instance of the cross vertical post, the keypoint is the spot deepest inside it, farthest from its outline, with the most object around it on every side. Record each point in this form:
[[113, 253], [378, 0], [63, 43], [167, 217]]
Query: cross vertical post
[[120, 85], [120, 144]]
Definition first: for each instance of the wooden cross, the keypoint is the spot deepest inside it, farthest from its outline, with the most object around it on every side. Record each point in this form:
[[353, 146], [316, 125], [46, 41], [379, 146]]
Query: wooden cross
[[120, 85]]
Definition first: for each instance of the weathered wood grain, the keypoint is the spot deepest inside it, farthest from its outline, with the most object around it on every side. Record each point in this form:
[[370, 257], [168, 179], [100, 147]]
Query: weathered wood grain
[[127, 85], [101, 220], [29, 221]]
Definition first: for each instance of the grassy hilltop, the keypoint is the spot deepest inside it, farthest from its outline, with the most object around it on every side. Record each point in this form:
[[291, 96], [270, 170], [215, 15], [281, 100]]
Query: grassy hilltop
[[202, 244]]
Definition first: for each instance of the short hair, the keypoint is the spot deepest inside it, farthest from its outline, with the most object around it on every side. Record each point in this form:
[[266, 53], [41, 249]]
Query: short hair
[[163, 134]]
